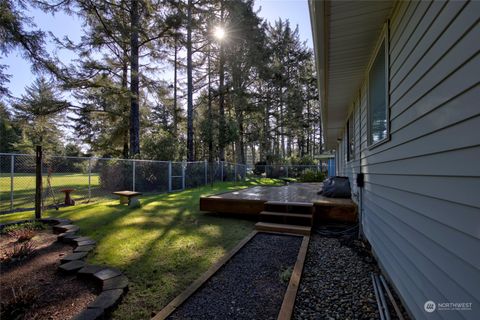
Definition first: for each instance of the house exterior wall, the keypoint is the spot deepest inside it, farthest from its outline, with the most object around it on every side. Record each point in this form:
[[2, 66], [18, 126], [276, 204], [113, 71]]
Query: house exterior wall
[[421, 200]]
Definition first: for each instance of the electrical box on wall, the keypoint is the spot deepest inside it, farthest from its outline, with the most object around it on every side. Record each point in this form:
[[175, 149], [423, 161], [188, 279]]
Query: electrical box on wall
[[360, 180]]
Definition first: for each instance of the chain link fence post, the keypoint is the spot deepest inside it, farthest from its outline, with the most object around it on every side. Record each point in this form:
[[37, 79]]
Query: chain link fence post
[[12, 177], [183, 175], [133, 175], [206, 172], [89, 179], [221, 171], [169, 176]]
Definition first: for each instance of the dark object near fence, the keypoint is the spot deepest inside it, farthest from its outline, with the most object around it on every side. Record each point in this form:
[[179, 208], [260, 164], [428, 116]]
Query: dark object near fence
[[336, 187], [259, 168], [68, 199]]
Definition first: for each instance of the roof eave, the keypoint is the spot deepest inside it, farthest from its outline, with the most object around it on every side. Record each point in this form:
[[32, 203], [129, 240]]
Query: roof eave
[[319, 32]]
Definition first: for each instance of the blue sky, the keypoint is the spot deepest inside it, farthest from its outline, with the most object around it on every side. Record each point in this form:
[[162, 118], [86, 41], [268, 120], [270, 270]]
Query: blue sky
[[63, 25]]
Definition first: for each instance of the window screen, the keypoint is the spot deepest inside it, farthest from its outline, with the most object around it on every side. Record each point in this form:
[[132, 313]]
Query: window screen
[[377, 98], [351, 139]]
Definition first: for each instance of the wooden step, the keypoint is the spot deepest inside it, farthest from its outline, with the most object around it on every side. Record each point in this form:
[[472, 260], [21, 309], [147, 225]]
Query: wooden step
[[290, 204], [287, 228], [285, 214]]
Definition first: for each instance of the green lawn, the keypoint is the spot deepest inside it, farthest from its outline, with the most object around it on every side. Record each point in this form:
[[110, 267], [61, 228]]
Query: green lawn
[[24, 187], [162, 246]]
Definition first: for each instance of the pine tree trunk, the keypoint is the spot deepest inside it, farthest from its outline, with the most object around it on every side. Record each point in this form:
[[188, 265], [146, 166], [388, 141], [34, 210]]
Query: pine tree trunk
[[222, 123], [190, 154], [253, 153], [125, 88], [175, 69], [240, 151], [309, 126], [210, 116], [282, 131], [134, 80]]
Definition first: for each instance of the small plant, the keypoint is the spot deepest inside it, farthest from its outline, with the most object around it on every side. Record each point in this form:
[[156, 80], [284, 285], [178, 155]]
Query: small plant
[[22, 299], [286, 274], [20, 251], [35, 225], [22, 235]]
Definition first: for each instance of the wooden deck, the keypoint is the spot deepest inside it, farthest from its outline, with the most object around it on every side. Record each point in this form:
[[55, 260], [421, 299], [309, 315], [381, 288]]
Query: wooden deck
[[253, 201]]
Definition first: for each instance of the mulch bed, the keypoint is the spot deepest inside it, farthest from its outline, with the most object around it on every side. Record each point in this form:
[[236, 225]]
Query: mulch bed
[[336, 282], [40, 290], [250, 286]]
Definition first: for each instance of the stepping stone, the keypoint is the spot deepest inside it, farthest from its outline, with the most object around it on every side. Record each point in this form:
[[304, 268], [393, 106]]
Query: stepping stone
[[68, 237], [63, 221], [84, 248], [72, 266], [82, 239], [90, 270], [74, 256], [66, 234], [107, 299], [107, 274], [90, 314], [86, 243], [56, 220], [65, 228], [120, 282]]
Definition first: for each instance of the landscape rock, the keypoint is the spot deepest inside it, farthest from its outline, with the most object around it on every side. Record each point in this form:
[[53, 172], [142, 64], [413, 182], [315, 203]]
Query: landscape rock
[[120, 282], [107, 299], [72, 266], [90, 314], [107, 274], [84, 248]]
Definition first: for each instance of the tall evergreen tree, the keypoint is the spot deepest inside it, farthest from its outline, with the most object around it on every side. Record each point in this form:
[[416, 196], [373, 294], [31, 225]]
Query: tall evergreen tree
[[41, 111]]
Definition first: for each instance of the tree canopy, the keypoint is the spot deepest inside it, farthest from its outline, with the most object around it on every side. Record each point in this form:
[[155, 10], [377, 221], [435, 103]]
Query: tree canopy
[[248, 97]]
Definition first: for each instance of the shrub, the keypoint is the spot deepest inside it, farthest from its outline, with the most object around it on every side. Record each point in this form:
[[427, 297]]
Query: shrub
[[22, 235], [35, 225], [20, 251], [22, 299], [312, 176], [116, 175]]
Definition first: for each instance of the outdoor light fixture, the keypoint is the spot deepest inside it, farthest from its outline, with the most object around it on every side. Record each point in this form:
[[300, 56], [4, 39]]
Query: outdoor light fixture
[[219, 33]]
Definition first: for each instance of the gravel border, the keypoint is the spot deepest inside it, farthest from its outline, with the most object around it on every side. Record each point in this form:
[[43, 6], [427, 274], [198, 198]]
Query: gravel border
[[336, 283], [249, 285]]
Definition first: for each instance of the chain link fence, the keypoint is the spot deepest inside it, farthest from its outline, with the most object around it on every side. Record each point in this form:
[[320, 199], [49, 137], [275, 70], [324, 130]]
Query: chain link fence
[[292, 171], [96, 178]]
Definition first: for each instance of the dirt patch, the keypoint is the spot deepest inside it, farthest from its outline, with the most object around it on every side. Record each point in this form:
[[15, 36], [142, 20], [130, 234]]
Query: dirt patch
[[32, 288]]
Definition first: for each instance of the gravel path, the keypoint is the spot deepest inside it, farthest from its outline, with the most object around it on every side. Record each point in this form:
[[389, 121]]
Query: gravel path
[[336, 283], [249, 286]]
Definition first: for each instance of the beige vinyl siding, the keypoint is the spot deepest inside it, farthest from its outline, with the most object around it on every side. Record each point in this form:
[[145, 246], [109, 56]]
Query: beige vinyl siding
[[421, 203]]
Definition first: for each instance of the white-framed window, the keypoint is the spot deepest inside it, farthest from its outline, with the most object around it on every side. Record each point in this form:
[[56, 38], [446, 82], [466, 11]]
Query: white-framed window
[[351, 138], [378, 96]]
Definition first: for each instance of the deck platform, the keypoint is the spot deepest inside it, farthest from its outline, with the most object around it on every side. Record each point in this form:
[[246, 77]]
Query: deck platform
[[253, 201]]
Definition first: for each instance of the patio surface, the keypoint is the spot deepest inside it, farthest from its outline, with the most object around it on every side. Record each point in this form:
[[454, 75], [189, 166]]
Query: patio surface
[[294, 192]]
